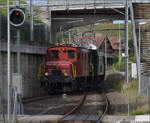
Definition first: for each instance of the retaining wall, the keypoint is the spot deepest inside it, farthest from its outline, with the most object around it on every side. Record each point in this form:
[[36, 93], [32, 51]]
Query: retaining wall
[[32, 55]]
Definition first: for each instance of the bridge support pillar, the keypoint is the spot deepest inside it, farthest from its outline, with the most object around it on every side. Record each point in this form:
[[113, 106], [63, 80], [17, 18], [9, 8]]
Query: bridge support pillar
[[53, 34]]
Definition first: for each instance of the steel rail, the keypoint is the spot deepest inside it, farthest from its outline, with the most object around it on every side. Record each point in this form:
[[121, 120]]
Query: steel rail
[[34, 99], [105, 110], [81, 102]]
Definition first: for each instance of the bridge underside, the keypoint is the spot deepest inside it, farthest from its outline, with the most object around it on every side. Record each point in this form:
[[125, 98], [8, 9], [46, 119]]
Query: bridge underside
[[67, 19]]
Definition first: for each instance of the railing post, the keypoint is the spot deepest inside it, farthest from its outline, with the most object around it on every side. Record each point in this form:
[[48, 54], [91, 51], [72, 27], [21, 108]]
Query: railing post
[[148, 98], [15, 103], [0, 25], [31, 21], [126, 38], [8, 61]]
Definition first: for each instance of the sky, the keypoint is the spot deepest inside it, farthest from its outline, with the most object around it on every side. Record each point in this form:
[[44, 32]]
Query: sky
[[118, 21]]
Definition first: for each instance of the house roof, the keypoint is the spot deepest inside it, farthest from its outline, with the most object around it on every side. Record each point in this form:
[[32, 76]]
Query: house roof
[[97, 40], [114, 43]]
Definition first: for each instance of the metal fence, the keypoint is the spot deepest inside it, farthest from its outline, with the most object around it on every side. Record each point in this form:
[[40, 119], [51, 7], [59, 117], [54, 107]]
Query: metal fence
[[80, 4], [68, 4], [131, 121], [41, 31], [3, 107]]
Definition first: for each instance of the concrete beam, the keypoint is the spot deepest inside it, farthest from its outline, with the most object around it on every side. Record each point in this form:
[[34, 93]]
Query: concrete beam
[[28, 49], [87, 19]]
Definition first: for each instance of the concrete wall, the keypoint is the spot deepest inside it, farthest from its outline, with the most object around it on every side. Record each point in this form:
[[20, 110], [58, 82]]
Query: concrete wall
[[30, 62], [142, 12]]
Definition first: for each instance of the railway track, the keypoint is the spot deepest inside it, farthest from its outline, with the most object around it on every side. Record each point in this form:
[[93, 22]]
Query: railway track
[[104, 111], [77, 105], [40, 98], [81, 103]]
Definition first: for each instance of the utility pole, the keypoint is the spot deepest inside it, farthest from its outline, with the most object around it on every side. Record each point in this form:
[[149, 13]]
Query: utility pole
[[126, 38], [105, 53], [19, 96], [62, 34], [0, 25], [50, 21], [69, 34], [8, 60], [139, 75], [139, 59], [18, 46], [31, 21], [135, 42], [18, 51], [119, 47], [19, 3]]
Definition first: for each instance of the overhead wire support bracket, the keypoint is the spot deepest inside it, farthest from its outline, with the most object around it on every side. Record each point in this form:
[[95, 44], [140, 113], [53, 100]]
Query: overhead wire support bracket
[[118, 11]]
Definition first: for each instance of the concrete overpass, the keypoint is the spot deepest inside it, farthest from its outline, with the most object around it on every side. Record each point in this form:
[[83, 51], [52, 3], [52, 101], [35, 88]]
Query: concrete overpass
[[66, 14]]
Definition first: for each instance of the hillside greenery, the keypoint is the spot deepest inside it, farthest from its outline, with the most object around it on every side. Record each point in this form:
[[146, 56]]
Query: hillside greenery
[[4, 10], [4, 2], [40, 34], [111, 30]]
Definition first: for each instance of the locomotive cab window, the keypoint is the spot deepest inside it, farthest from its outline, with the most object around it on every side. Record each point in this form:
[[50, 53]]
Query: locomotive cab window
[[71, 54], [48, 57], [55, 54], [78, 56]]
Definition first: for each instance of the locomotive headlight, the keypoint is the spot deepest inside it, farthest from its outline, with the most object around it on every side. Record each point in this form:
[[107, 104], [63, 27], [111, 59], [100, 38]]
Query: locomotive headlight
[[65, 74], [46, 74]]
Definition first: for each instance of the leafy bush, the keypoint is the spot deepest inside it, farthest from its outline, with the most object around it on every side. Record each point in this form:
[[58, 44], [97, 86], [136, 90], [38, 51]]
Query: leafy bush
[[115, 58], [132, 59], [139, 112], [120, 67], [122, 64], [115, 82]]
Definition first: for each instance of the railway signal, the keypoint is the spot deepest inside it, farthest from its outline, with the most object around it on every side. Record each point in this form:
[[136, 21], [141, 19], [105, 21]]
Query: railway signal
[[17, 16]]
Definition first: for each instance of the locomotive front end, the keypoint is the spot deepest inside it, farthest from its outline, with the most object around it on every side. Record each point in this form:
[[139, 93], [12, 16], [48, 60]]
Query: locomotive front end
[[58, 69]]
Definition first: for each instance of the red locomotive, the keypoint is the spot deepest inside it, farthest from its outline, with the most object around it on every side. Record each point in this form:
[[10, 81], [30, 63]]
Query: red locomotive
[[71, 68]]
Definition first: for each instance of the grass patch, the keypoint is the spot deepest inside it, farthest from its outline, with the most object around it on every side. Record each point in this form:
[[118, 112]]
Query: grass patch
[[137, 102], [109, 32], [131, 89], [120, 114], [115, 82], [3, 11], [4, 2], [38, 20], [99, 112], [120, 67], [139, 111]]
